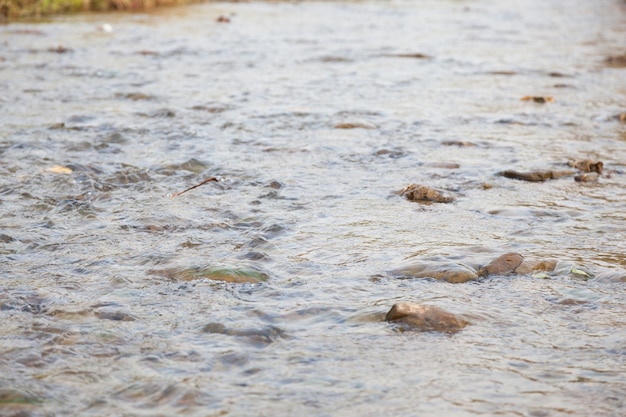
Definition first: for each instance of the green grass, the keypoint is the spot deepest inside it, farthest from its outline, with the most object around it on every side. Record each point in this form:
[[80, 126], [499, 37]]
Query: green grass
[[11, 10]]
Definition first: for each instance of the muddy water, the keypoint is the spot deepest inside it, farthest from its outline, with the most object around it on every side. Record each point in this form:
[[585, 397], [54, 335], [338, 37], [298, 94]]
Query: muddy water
[[115, 298]]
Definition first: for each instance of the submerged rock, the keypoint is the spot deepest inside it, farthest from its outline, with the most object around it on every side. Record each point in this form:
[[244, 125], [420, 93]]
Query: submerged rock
[[535, 176], [459, 273], [232, 275], [425, 318], [422, 193], [504, 264], [588, 177], [256, 336], [453, 273], [115, 315], [529, 266], [617, 61]]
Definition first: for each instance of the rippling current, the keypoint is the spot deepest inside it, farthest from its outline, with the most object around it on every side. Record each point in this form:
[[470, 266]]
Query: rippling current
[[265, 293]]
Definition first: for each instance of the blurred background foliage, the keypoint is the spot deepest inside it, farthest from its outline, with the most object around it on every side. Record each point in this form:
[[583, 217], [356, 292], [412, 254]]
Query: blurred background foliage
[[28, 9]]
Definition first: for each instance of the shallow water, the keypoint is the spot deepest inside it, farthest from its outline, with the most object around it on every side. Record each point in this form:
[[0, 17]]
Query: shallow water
[[110, 304]]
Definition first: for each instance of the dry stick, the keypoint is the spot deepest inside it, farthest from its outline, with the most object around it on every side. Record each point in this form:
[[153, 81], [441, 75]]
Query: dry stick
[[197, 185]]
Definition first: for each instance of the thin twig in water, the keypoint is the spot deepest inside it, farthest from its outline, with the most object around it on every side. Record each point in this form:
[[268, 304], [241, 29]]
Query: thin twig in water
[[197, 185]]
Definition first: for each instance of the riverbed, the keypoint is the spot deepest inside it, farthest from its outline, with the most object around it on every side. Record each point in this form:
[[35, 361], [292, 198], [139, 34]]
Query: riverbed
[[264, 293]]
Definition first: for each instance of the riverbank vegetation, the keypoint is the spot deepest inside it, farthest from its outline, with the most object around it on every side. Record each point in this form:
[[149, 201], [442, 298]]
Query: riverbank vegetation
[[27, 9]]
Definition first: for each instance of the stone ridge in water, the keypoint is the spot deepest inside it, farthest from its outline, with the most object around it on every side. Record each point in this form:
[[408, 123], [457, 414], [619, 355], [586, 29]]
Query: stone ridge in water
[[454, 273], [425, 318], [509, 263], [536, 176]]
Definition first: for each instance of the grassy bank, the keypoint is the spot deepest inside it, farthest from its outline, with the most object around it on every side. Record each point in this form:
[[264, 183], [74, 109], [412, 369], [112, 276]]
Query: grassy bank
[[22, 9]]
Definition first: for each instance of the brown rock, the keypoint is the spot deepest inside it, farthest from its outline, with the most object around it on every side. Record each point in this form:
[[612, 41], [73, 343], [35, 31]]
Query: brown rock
[[453, 274], [232, 275], [538, 99], [502, 265], [589, 177], [425, 318], [528, 266], [587, 165], [422, 193], [444, 165], [417, 55], [535, 176], [618, 61]]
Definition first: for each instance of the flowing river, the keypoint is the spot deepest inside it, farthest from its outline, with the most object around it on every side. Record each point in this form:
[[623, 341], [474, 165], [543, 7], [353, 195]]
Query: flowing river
[[264, 293]]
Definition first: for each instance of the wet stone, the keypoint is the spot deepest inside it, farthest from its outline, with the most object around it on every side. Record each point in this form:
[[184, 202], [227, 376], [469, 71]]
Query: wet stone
[[275, 185], [10, 396], [571, 302], [587, 165], [502, 265], [5, 238], [134, 96], [538, 99], [529, 266], [255, 256], [414, 55], [443, 165], [620, 117], [422, 193], [115, 316], [617, 61], [60, 49], [255, 336], [160, 114], [69, 313], [459, 143], [390, 153], [216, 108], [454, 273], [232, 275], [535, 176], [425, 318], [591, 177]]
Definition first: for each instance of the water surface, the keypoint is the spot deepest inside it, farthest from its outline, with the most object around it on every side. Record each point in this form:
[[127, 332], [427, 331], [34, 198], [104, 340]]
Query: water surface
[[110, 303]]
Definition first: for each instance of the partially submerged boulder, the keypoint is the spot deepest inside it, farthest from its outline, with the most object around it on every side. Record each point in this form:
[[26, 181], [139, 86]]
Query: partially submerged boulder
[[507, 264], [425, 318], [504, 264]]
